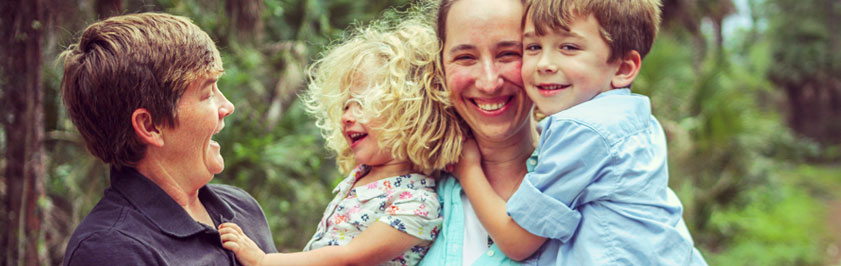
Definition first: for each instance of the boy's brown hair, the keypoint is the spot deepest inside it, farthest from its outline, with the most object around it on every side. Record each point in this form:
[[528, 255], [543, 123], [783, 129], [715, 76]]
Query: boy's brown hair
[[128, 62], [624, 24]]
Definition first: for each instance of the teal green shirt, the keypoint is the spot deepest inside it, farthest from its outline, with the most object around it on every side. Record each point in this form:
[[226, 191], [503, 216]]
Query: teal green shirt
[[447, 248]]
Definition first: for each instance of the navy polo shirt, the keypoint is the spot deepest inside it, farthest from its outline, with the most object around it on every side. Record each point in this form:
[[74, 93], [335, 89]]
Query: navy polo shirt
[[137, 223]]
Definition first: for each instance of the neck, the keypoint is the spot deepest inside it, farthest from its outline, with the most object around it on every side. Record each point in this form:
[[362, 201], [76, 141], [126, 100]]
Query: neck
[[176, 186], [504, 162], [392, 168]]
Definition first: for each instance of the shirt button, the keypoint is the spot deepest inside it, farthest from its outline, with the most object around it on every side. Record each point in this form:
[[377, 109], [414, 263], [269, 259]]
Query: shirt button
[[490, 253], [532, 161]]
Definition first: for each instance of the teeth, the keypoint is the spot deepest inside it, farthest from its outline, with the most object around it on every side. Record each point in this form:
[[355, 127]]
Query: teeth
[[551, 87], [356, 135], [490, 106]]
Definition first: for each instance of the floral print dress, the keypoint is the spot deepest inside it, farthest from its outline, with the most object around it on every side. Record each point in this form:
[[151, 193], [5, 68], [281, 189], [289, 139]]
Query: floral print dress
[[407, 202]]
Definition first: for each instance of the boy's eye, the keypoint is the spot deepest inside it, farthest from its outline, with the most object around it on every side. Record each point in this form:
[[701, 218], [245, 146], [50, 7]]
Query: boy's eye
[[533, 47], [569, 47]]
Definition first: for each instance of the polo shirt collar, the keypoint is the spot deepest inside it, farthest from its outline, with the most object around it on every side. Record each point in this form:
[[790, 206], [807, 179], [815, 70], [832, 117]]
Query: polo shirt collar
[[161, 209]]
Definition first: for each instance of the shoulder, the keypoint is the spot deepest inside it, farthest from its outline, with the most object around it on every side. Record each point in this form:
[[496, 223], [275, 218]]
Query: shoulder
[[110, 247], [612, 116], [234, 196], [112, 215]]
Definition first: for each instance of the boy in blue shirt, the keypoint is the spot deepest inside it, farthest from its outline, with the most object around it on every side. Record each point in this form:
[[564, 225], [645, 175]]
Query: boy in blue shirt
[[598, 194]]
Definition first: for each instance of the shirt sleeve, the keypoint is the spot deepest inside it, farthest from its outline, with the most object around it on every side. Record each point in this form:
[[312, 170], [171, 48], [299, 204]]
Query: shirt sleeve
[[99, 249], [568, 174], [415, 212]]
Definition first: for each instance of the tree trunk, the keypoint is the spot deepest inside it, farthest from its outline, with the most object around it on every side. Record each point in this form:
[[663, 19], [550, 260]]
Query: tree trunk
[[23, 25], [246, 22], [108, 8]]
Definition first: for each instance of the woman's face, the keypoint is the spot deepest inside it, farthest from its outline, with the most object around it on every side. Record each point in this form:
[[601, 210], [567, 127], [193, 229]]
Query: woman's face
[[190, 143], [482, 58]]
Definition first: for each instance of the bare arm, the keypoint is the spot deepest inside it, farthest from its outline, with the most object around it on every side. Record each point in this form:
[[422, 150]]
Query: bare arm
[[517, 243], [377, 244]]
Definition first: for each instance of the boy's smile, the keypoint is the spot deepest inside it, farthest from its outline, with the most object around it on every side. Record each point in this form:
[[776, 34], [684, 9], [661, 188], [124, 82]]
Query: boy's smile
[[565, 68], [549, 89]]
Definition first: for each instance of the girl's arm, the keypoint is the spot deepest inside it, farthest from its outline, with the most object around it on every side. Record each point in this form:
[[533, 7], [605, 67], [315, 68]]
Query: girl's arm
[[517, 243], [376, 244]]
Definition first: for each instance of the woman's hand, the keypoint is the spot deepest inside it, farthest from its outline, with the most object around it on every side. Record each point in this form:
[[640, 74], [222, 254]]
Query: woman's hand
[[233, 239]]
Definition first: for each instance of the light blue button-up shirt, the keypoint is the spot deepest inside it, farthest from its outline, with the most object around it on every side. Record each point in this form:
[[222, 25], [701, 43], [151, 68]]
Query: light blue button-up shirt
[[599, 191]]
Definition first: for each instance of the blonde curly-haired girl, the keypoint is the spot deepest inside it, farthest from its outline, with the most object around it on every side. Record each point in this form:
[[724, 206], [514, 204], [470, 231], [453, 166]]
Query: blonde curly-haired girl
[[381, 107]]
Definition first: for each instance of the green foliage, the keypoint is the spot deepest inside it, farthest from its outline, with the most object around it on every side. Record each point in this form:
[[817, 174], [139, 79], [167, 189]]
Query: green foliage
[[726, 144], [782, 225]]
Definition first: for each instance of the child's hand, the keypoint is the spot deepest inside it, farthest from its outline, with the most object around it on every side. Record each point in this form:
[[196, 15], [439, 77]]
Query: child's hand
[[247, 252], [470, 159]]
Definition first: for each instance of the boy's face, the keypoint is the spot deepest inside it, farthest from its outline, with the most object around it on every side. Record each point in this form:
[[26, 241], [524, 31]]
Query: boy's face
[[564, 68]]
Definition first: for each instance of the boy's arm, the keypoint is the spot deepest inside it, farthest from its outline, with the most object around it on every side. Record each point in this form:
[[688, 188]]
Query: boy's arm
[[517, 243], [377, 244]]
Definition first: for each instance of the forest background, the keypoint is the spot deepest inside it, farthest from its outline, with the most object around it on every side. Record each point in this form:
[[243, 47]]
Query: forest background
[[749, 92]]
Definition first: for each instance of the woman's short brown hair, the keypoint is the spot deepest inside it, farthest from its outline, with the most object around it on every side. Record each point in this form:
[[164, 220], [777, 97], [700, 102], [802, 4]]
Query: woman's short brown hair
[[129, 62]]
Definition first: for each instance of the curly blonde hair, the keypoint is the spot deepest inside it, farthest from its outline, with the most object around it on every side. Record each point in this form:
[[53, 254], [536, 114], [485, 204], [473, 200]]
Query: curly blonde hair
[[404, 91]]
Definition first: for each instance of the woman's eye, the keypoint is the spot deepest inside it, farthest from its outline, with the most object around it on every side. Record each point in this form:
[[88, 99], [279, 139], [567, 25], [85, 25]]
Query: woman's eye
[[463, 57], [509, 53]]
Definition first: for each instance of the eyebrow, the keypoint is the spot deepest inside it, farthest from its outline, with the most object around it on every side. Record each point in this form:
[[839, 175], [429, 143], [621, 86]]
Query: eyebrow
[[529, 34], [208, 82], [462, 47], [509, 44]]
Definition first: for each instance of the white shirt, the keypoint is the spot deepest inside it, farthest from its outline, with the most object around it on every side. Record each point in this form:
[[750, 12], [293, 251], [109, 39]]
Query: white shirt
[[475, 235]]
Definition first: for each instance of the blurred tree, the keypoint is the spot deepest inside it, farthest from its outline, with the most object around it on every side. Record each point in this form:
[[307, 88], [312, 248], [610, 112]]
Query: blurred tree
[[245, 19], [807, 65], [687, 16], [108, 8], [22, 37]]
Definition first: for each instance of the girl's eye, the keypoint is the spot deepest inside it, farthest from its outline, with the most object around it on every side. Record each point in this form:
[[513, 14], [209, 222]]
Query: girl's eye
[[533, 47]]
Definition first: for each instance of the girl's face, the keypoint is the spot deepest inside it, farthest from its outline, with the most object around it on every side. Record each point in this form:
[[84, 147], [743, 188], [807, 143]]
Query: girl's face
[[362, 133], [482, 58]]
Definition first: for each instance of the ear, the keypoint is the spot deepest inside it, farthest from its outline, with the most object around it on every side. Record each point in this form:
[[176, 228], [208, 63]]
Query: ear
[[145, 129], [629, 67]]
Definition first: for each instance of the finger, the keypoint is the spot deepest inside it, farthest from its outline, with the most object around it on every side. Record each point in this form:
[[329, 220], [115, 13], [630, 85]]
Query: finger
[[237, 228], [230, 245], [227, 231], [229, 238]]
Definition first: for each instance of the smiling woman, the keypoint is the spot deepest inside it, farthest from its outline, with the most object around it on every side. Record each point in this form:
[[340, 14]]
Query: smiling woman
[[142, 91], [481, 57]]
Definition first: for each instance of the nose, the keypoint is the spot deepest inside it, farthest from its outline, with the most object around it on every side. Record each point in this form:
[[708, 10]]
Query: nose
[[347, 117], [489, 80], [545, 65], [227, 108]]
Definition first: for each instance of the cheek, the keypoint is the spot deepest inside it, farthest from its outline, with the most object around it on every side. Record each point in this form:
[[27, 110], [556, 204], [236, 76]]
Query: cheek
[[513, 72], [529, 68], [457, 80]]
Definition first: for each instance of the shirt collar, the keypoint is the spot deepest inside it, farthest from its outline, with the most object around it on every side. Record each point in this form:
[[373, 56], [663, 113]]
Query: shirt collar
[[151, 201]]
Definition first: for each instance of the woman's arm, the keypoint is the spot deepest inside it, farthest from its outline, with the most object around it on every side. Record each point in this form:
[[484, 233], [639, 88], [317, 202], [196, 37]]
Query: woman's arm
[[517, 243], [377, 244]]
